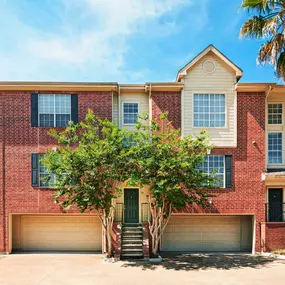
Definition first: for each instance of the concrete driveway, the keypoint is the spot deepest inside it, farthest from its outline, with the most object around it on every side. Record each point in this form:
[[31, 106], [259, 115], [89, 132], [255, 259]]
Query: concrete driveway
[[88, 269]]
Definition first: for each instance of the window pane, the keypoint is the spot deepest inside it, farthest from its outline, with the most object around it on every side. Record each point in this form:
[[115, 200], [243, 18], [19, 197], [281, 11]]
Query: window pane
[[216, 164], [46, 120], [46, 180], [62, 120], [62, 104], [274, 148], [209, 110], [130, 113], [46, 103], [274, 113]]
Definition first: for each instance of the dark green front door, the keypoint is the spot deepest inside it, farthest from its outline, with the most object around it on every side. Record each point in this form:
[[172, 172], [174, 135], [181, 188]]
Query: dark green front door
[[131, 203]]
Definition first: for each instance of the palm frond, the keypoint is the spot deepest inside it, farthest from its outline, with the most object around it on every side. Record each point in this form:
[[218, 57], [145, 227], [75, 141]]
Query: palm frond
[[262, 6], [268, 21], [271, 50], [280, 66], [265, 52], [253, 27]]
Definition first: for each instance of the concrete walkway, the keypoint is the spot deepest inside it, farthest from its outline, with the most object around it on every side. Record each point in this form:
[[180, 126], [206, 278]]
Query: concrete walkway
[[57, 269]]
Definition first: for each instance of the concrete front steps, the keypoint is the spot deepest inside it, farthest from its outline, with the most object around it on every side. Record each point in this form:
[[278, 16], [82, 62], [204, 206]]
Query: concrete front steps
[[132, 241]]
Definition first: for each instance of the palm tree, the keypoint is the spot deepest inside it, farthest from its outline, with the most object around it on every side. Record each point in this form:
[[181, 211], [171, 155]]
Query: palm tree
[[267, 22]]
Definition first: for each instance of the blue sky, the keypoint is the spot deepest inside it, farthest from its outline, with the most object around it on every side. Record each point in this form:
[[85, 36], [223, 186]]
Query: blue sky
[[129, 41]]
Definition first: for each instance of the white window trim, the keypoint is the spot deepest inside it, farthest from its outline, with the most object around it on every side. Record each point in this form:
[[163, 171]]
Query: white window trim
[[224, 176], [54, 113], [122, 108], [226, 108], [267, 114], [267, 150]]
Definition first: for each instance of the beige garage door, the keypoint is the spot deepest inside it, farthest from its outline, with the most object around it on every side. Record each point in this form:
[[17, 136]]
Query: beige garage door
[[61, 233], [203, 233]]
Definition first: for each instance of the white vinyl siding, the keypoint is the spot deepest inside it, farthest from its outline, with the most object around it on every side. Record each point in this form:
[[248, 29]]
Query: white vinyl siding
[[275, 124], [115, 112], [221, 81], [139, 98]]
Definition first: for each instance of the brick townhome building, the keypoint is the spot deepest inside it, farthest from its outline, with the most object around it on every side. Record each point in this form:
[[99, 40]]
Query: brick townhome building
[[245, 121]]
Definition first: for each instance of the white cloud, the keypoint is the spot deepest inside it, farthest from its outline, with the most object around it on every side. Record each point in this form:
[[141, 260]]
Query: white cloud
[[90, 40]]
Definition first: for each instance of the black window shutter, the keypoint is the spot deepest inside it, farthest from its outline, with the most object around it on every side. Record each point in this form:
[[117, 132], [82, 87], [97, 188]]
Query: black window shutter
[[35, 169], [34, 110], [229, 171], [74, 108]]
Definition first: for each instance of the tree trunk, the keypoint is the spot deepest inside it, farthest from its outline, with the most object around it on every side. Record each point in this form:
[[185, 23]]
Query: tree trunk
[[104, 246], [160, 216], [107, 225]]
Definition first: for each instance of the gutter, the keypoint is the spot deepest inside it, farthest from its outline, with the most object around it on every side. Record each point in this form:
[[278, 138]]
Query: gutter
[[150, 105], [4, 180], [270, 88]]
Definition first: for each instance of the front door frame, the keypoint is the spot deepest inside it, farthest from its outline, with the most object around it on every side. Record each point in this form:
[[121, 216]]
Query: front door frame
[[270, 189], [139, 205]]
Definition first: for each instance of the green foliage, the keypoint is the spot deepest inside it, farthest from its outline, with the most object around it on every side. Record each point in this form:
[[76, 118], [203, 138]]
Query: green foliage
[[267, 21], [95, 156], [169, 164], [89, 164]]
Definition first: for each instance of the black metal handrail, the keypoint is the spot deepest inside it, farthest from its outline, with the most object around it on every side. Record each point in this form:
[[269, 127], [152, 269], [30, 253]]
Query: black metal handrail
[[119, 213], [275, 212], [145, 212]]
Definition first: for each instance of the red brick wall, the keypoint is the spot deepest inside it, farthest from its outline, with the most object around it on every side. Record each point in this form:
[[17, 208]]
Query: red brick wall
[[116, 239], [274, 236], [167, 102], [20, 141], [247, 196]]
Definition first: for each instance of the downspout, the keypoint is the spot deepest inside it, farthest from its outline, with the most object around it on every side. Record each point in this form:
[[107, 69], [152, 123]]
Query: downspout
[[119, 106], [262, 225], [266, 97], [150, 105], [4, 179]]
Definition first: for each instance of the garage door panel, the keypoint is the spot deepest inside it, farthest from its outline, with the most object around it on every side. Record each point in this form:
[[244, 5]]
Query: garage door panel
[[61, 233], [202, 233]]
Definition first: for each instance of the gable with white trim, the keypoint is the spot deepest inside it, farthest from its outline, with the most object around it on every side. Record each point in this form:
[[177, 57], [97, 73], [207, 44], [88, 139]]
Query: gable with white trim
[[210, 73]]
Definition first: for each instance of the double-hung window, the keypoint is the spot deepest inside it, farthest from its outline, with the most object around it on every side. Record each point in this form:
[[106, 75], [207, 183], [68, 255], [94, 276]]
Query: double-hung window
[[54, 110], [275, 152], [209, 110], [130, 113], [46, 179], [215, 163], [40, 175], [275, 114]]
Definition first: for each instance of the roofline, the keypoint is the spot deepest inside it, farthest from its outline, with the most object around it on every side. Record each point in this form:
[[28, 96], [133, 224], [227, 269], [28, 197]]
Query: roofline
[[58, 86], [210, 47], [87, 86], [255, 86]]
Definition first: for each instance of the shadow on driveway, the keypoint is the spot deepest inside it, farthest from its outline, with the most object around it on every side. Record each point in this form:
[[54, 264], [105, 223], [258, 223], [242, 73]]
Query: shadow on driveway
[[189, 262]]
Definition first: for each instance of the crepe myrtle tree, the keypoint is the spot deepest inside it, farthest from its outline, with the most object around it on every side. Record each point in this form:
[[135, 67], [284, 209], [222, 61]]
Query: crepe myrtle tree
[[89, 165], [169, 164]]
